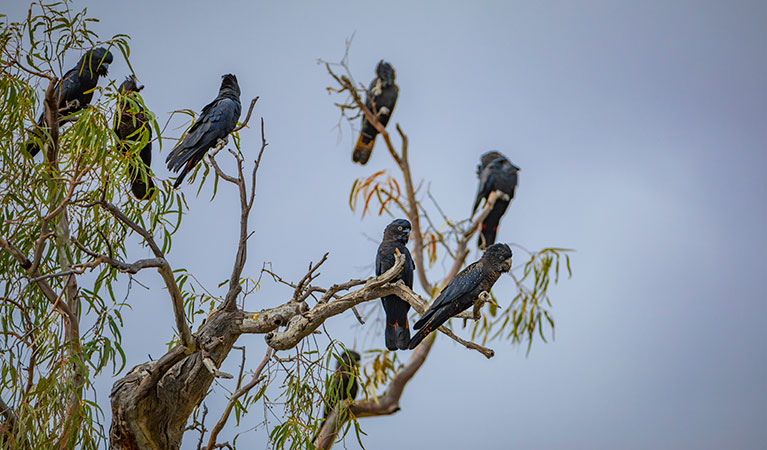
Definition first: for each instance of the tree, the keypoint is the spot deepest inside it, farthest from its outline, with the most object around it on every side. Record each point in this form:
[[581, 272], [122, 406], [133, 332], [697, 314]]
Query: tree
[[67, 229]]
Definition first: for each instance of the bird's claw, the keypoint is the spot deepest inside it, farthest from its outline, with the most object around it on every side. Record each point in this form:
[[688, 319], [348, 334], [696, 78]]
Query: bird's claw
[[485, 296]]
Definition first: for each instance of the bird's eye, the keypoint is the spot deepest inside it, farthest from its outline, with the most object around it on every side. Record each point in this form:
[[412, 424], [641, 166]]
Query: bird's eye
[[399, 228]]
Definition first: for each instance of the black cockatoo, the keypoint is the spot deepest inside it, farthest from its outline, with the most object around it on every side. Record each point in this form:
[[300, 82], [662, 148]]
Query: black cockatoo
[[496, 173], [342, 384], [217, 120], [131, 121], [396, 234], [460, 294], [380, 100], [75, 89]]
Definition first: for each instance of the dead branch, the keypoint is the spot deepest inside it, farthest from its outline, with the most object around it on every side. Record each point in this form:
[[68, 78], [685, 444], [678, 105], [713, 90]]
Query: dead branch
[[303, 290], [302, 321], [302, 325], [247, 117], [246, 204]]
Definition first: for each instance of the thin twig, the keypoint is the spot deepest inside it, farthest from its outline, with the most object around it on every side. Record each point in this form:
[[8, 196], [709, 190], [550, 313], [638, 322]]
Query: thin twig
[[234, 398]]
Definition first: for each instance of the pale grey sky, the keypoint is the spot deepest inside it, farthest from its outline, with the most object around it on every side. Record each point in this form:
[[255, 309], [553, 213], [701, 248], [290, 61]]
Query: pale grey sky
[[640, 128]]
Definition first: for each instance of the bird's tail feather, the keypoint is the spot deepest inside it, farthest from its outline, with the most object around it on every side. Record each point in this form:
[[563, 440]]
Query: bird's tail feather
[[141, 190], [403, 336], [420, 322], [32, 148], [490, 226], [390, 334], [363, 149], [487, 235], [179, 179], [177, 158], [187, 168], [419, 336]]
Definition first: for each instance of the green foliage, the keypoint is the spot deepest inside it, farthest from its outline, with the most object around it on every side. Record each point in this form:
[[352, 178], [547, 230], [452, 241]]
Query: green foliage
[[49, 211], [527, 311]]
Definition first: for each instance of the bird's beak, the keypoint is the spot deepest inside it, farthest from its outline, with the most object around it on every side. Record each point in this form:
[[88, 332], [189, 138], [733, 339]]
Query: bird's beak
[[139, 88], [507, 265]]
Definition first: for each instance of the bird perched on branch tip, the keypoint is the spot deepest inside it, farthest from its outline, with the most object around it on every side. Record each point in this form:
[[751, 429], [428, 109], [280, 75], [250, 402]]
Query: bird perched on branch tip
[[217, 120], [495, 173], [460, 294], [380, 100]]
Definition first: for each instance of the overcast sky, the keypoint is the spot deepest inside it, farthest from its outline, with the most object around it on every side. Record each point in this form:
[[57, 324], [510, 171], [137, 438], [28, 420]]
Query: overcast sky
[[640, 129]]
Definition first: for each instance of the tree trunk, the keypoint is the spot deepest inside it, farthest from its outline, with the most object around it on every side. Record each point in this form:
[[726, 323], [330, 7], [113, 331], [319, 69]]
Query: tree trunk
[[150, 408]]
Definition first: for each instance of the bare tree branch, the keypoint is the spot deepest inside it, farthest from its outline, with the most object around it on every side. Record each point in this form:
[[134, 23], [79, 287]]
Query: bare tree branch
[[246, 203], [247, 117], [302, 325], [302, 321]]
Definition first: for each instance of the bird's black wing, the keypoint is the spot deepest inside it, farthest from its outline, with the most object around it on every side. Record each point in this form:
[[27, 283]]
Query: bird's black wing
[[382, 263], [486, 183], [462, 284], [407, 271], [450, 302], [69, 88], [508, 181], [385, 259], [216, 121], [385, 103]]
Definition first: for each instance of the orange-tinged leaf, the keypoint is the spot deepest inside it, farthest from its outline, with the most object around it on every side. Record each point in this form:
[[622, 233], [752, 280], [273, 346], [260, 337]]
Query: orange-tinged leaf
[[353, 195], [367, 202]]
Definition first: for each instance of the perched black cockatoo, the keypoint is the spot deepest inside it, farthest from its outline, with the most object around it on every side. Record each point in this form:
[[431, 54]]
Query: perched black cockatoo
[[342, 384], [496, 173], [217, 120], [460, 294], [380, 100], [396, 234], [75, 89], [131, 121]]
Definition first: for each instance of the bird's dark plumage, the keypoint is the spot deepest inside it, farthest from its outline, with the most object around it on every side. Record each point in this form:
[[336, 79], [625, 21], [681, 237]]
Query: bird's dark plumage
[[342, 384], [396, 234], [217, 120], [380, 100], [496, 173], [460, 294], [75, 90], [132, 124]]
